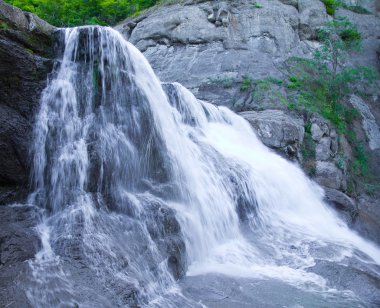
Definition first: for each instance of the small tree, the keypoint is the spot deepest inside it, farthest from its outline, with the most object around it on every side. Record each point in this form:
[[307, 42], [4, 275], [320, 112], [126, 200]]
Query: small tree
[[337, 37]]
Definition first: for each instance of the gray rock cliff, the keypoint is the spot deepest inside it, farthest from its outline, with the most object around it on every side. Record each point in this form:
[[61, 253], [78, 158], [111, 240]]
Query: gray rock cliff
[[209, 46]]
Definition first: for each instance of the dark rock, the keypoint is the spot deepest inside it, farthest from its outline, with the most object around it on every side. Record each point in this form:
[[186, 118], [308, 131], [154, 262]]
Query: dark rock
[[26, 49], [367, 221], [166, 232], [342, 202], [19, 243]]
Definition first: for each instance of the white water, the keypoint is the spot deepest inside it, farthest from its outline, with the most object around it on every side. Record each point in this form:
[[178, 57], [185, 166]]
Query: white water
[[114, 150]]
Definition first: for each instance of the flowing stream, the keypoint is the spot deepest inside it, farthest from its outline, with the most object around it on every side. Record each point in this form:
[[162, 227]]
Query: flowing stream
[[150, 196]]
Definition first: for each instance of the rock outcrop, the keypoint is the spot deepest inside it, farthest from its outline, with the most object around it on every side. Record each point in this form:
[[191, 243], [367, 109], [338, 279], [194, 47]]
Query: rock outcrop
[[278, 130], [26, 50], [249, 39], [210, 47]]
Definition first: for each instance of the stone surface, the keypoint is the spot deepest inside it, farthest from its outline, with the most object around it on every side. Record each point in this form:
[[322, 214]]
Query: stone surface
[[290, 2], [276, 129], [322, 150], [328, 175], [185, 38], [312, 16], [369, 123], [369, 28], [341, 201], [316, 132], [254, 42], [18, 243], [26, 53], [367, 222], [26, 49]]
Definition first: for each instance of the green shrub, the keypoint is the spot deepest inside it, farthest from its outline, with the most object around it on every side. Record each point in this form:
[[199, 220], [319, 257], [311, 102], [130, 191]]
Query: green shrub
[[3, 26], [331, 5], [80, 12], [356, 8]]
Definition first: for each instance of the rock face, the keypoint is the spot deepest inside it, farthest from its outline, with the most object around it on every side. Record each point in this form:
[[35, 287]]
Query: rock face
[[369, 124], [209, 46], [247, 39], [26, 49], [19, 243], [312, 16], [218, 42]]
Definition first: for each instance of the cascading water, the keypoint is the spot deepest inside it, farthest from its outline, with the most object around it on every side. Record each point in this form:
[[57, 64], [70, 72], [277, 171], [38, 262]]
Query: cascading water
[[141, 183]]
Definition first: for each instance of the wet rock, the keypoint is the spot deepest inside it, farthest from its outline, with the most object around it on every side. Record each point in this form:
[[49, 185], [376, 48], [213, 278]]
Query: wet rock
[[367, 221], [26, 50], [166, 232], [19, 243], [341, 201]]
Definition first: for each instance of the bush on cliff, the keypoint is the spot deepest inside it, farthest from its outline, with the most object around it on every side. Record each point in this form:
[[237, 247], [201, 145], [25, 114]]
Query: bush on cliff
[[63, 13]]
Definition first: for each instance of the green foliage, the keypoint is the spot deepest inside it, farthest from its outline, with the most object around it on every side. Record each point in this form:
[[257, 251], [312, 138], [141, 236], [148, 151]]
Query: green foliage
[[322, 84], [359, 165], [318, 89], [337, 37], [371, 188], [258, 6], [340, 160], [80, 12], [226, 82], [3, 26], [355, 8], [308, 152], [331, 5]]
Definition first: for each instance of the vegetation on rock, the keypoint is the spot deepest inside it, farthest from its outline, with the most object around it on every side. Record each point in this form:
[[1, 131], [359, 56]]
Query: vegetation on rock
[[83, 12], [322, 85]]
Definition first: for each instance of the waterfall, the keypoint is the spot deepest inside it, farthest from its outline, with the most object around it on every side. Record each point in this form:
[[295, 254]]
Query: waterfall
[[141, 184]]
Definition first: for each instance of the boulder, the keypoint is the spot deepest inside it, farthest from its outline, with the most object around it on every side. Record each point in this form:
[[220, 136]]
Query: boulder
[[316, 132], [323, 149], [341, 201], [329, 175], [276, 129]]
